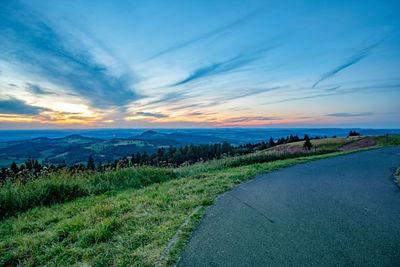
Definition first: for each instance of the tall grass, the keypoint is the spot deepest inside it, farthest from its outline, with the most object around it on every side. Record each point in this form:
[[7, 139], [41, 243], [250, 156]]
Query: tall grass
[[62, 186], [228, 162]]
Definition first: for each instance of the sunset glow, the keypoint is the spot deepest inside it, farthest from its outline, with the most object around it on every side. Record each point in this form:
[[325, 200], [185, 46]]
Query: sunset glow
[[129, 64]]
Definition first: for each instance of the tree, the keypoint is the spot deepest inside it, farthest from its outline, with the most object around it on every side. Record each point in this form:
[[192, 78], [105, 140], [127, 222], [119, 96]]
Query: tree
[[100, 167], [226, 148], [3, 174], [145, 158], [271, 142], [90, 163], [36, 166], [307, 143], [354, 133], [14, 167], [29, 163], [138, 158], [22, 167]]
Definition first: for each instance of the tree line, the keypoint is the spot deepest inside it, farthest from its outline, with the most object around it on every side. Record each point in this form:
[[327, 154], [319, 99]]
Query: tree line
[[165, 157]]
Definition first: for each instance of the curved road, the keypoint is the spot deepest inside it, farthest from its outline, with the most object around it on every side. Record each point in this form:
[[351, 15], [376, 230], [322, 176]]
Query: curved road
[[341, 211]]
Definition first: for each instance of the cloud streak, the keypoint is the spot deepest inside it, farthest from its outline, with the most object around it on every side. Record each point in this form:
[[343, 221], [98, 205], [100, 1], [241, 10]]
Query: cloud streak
[[247, 119], [30, 42], [351, 61], [246, 93], [18, 107], [224, 66], [332, 91], [150, 114], [37, 90], [345, 115], [234, 24], [170, 97]]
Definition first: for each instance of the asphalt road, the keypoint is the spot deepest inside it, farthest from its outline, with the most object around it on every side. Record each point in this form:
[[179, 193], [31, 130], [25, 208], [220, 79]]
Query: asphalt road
[[341, 211]]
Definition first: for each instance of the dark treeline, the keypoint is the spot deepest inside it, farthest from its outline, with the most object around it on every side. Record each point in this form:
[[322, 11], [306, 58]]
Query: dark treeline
[[354, 133], [165, 157]]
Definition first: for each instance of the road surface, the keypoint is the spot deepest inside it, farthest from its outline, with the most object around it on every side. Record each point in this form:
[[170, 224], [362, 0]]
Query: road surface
[[341, 211]]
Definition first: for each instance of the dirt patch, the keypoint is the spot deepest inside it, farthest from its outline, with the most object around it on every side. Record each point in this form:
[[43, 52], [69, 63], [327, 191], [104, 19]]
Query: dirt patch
[[286, 150], [359, 144]]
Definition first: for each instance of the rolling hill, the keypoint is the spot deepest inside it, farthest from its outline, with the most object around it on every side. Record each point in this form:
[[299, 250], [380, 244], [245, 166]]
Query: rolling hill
[[75, 148]]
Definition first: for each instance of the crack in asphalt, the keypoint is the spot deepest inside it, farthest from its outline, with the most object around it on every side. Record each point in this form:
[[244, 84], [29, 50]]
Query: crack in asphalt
[[251, 207]]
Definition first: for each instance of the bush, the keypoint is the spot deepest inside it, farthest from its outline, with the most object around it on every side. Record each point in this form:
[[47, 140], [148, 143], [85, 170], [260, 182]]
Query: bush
[[307, 143], [354, 133]]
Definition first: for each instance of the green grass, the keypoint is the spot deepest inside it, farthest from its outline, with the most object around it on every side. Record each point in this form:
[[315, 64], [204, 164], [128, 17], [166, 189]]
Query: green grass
[[384, 141], [127, 225], [62, 186], [98, 147]]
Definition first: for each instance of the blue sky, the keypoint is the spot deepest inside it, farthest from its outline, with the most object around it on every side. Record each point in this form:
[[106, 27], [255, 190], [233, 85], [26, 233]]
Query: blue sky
[[167, 64]]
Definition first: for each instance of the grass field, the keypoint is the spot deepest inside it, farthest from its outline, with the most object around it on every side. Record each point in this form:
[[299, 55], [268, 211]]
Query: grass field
[[128, 225]]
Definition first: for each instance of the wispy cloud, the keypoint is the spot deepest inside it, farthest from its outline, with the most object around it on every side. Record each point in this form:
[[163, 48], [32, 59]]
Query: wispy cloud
[[29, 41], [351, 61], [246, 119], [150, 114], [19, 107], [196, 105], [220, 30], [251, 92], [344, 114], [349, 90], [37, 90], [196, 114], [184, 97], [225, 66], [170, 97], [186, 106]]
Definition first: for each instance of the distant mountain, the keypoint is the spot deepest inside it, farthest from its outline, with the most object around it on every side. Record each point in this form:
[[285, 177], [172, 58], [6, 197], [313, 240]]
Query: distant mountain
[[78, 137], [180, 138], [238, 135], [76, 148], [150, 133]]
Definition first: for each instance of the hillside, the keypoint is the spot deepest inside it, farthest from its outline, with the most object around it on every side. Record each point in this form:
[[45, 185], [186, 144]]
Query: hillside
[[128, 216], [75, 149]]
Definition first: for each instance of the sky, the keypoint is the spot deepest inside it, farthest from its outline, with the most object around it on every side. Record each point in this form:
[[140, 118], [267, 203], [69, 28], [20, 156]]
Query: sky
[[194, 64]]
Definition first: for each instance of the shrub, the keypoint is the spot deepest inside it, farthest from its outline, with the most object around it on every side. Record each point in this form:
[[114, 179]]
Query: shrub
[[307, 143], [354, 133]]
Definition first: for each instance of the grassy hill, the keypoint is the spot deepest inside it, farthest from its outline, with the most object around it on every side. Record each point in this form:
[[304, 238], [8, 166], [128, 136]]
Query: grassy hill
[[75, 149], [128, 216]]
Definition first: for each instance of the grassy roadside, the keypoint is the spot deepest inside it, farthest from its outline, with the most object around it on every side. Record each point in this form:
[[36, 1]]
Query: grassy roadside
[[60, 187], [125, 227], [121, 228]]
